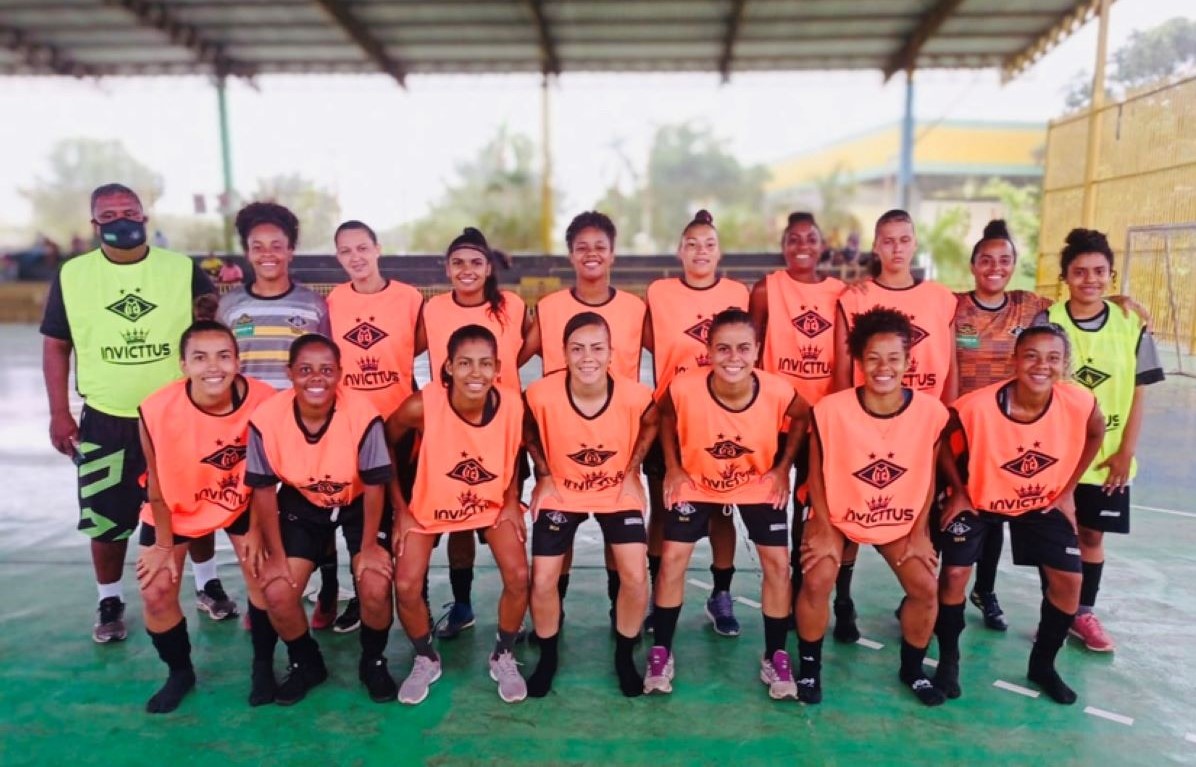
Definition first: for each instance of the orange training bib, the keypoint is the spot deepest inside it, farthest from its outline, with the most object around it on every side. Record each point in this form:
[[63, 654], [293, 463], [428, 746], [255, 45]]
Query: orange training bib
[[681, 318], [799, 341], [376, 336], [624, 313], [443, 315]]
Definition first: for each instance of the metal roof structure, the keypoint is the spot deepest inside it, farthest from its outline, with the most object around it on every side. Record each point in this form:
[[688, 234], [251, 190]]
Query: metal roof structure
[[98, 38]]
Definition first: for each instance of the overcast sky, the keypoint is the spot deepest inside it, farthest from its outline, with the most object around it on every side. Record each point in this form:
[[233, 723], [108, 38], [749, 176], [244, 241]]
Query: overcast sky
[[388, 152]]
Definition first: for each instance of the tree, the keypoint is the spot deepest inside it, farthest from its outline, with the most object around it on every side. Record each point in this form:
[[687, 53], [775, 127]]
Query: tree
[[318, 209], [1149, 56], [496, 191], [943, 240], [836, 191], [688, 168], [76, 167], [1023, 214]]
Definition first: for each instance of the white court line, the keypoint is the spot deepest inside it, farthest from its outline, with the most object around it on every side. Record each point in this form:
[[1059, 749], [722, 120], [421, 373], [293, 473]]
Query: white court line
[[1164, 511], [699, 584], [1119, 718], [1190, 737], [749, 602], [1017, 688], [871, 645]]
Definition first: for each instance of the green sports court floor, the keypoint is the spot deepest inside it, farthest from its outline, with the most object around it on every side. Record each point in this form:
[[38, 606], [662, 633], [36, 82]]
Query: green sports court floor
[[67, 701]]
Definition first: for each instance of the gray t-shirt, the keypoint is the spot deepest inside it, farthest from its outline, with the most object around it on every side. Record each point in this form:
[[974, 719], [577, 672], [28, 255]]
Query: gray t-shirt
[[266, 327]]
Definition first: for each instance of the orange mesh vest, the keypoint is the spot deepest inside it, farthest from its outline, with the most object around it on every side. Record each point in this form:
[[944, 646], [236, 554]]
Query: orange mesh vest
[[376, 336], [624, 313], [725, 452], [931, 309], [326, 472], [799, 342], [681, 318], [587, 456], [443, 315], [877, 471], [199, 457], [464, 469], [1018, 467]]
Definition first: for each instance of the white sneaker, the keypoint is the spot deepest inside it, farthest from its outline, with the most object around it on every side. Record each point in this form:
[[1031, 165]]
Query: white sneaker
[[777, 673], [658, 677], [424, 671], [505, 671]]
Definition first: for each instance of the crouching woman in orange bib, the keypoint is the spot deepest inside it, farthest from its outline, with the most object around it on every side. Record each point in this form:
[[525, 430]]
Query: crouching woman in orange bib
[[466, 480], [193, 433], [326, 445], [587, 432], [1027, 442], [719, 434], [872, 459]]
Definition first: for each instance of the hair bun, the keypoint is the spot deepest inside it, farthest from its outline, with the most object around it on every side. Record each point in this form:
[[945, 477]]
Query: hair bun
[[1088, 239], [997, 230], [703, 217]]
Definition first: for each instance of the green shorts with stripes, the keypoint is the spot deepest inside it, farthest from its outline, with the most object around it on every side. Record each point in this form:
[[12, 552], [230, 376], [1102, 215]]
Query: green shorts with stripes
[[111, 476]]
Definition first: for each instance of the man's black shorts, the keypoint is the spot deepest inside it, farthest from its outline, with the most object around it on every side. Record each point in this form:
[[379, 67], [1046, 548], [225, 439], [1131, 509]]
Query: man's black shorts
[[111, 470]]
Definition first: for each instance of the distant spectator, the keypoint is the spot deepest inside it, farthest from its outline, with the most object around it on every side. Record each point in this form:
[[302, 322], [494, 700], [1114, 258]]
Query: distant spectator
[[211, 265], [850, 254], [160, 239], [78, 245], [230, 273]]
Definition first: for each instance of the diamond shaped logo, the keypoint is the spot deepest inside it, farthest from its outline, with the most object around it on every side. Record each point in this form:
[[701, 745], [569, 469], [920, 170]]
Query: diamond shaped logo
[[728, 450], [131, 306], [700, 332], [880, 474], [811, 324], [917, 334], [365, 335], [471, 472], [1090, 377], [325, 486], [591, 456], [225, 457], [1029, 463]]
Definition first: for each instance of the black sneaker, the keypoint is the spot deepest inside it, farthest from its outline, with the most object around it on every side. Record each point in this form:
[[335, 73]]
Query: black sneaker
[[350, 619], [299, 680], [377, 680], [846, 630], [110, 621], [994, 616]]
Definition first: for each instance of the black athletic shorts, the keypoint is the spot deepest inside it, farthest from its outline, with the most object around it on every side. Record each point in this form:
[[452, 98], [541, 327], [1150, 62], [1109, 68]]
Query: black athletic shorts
[[305, 538], [479, 532], [407, 455], [1044, 538], [801, 465], [238, 526], [654, 461], [690, 522], [962, 543], [1107, 513], [553, 531], [111, 470]]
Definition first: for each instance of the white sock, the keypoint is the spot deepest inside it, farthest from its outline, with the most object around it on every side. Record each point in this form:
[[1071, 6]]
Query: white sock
[[203, 572], [110, 590]]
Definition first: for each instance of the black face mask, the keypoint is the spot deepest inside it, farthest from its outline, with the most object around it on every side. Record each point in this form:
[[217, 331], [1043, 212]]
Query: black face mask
[[123, 233]]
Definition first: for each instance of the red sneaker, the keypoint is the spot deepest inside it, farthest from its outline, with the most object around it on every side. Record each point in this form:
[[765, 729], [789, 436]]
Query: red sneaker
[[1086, 627], [321, 618]]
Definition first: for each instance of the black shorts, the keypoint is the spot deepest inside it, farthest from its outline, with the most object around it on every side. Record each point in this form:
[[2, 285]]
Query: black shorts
[[553, 531], [305, 538], [1044, 538], [690, 522], [111, 467], [801, 465], [654, 461], [238, 526], [962, 543], [407, 454], [480, 533], [1107, 513]]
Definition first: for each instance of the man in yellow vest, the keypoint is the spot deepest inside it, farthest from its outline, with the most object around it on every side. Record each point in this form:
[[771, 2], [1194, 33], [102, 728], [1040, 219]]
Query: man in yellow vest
[[121, 309]]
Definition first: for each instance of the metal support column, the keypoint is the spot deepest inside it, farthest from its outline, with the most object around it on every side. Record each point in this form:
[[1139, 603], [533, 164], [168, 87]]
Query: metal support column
[[226, 161], [1094, 121], [905, 172], [546, 211]]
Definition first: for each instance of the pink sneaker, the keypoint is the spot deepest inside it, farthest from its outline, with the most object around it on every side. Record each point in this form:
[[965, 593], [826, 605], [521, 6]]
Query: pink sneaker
[[1086, 627], [321, 618]]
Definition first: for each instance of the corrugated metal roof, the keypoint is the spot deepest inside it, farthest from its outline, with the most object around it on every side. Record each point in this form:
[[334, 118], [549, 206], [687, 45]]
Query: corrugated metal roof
[[410, 37]]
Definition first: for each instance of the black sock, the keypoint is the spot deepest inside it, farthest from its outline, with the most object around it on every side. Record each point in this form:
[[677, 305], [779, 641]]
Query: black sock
[[914, 675], [809, 670], [505, 642], [373, 641], [947, 628], [424, 594], [612, 586], [1042, 581], [540, 682], [795, 579], [1090, 584], [174, 648], [461, 580], [843, 582], [653, 568], [262, 634], [631, 683], [776, 631], [990, 556], [562, 586], [1052, 631], [722, 577], [329, 583], [666, 626], [303, 649], [423, 646]]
